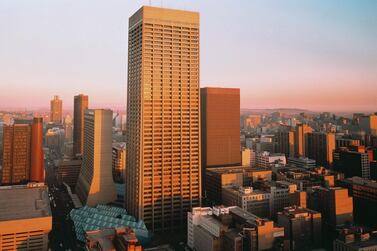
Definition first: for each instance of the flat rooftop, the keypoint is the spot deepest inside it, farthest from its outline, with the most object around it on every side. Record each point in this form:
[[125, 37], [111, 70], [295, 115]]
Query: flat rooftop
[[24, 202]]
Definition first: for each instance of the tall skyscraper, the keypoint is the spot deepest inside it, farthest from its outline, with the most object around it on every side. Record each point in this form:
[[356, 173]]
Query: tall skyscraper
[[16, 153], [300, 139], [56, 109], [80, 105], [220, 126], [95, 184], [37, 160], [320, 147], [163, 179]]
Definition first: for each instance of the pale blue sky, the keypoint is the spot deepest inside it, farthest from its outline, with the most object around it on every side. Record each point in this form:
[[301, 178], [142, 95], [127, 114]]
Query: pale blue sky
[[317, 54]]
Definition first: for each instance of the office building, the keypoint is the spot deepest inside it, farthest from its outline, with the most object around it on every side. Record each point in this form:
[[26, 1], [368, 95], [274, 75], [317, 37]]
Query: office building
[[25, 217], [341, 142], [334, 203], [302, 162], [355, 239], [119, 162], [254, 201], [300, 139], [220, 126], [68, 171], [352, 163], [364, 194], [95, 184], [16, 153], [302, 227], [285, 139], [55, 139], [368, 124], [219, 177], [163, 174], [68, 128], [37, 157], [298, 199], [320, 147], [81, 103], [279, 191], [56, 110], [267, 160], [230, 228]]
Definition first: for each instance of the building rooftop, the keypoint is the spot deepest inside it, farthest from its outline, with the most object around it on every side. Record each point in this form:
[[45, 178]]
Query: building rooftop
[[24, 202]]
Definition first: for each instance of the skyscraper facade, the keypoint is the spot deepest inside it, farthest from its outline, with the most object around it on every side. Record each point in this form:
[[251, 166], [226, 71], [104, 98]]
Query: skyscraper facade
[[56, 110], [37, 160], [16, 153], [163, 179], [80, 105], [300, 138], [220, 126], [285, 140], [95, 184]]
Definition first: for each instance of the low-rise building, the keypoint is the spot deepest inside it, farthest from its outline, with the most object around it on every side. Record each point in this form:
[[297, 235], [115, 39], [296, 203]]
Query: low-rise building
[[356, 239], [25, 217], [302, 227], [230, 228]]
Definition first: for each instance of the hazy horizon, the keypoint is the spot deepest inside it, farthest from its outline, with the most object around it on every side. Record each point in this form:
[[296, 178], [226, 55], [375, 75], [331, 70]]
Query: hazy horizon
[[314, 55]]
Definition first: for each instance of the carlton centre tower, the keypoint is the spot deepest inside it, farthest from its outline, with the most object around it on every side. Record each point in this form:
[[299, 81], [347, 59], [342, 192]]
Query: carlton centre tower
[[163, 131]]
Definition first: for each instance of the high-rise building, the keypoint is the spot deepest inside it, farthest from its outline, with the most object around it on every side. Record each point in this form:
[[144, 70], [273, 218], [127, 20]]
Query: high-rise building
[[352, 163], [80, 105], [369, 124], [320, 147], [302, 227], [334, 203], [68, 170], [300, 139], [68, 129], [56, 109], [285, 139], [220, 127], [95, 184], [364, 194], [25, 217], [163, 174], [16, 153], [37, 159]]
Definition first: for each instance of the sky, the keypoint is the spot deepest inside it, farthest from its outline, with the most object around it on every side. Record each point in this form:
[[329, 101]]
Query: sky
[[310, 54]]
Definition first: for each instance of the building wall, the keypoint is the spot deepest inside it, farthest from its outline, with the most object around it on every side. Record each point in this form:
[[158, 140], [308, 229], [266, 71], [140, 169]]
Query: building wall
[[300, 139], [220, 123], [16, 153], [56, 109], [30, 234]]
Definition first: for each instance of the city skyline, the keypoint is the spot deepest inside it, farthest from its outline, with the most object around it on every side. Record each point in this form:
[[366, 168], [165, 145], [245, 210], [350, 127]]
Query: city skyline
[[288, 48]]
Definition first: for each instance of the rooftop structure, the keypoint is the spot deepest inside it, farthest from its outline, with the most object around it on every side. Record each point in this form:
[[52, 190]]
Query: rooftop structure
[[102, 216], [25, 217]]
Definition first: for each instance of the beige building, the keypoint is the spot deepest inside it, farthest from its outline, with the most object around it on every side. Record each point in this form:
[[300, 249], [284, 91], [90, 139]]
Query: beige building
[[95, 184], [163, 180], [25, 217]]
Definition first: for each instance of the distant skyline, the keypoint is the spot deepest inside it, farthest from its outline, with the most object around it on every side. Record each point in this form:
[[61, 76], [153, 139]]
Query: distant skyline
[[316, 54]]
